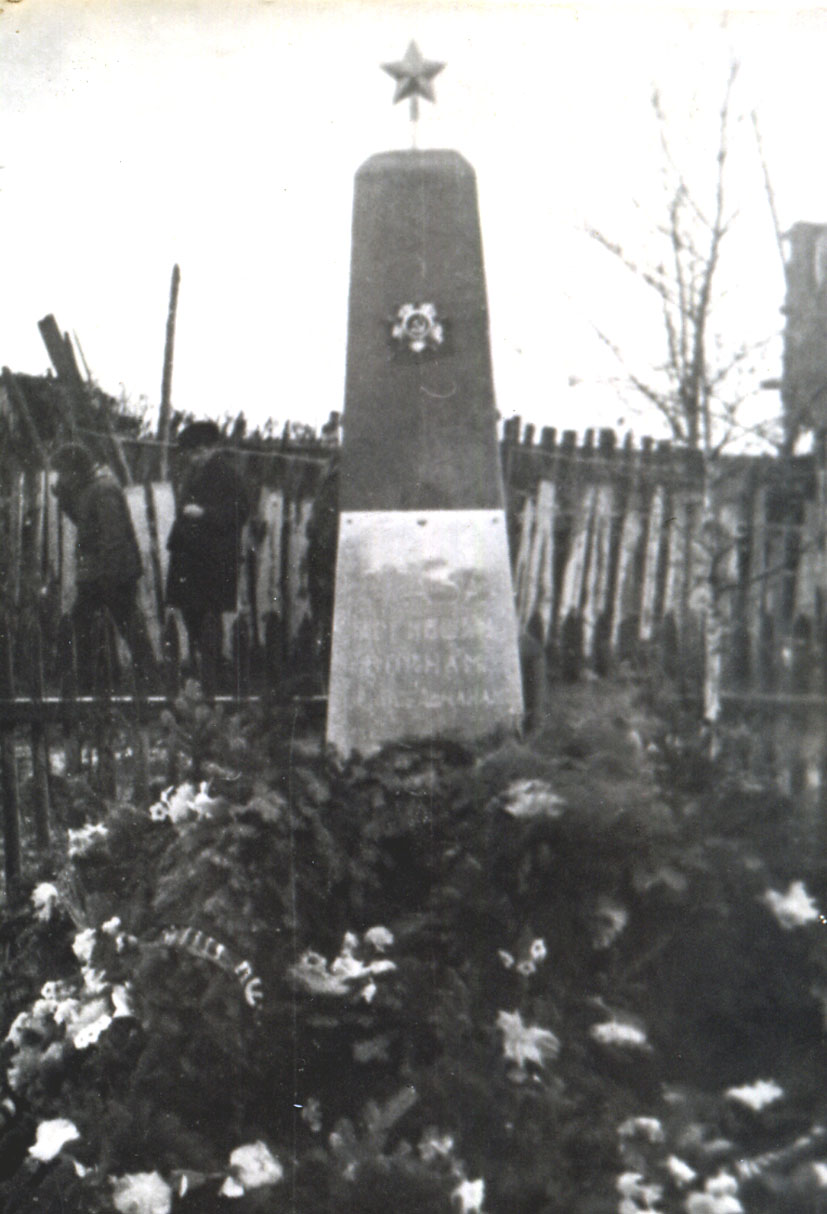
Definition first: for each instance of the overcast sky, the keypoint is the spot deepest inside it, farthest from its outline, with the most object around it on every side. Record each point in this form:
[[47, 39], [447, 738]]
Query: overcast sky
[[224, 135]]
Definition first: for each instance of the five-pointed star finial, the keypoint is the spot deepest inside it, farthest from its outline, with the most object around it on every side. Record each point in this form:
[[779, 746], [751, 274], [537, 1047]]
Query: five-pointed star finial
[[414, 76]]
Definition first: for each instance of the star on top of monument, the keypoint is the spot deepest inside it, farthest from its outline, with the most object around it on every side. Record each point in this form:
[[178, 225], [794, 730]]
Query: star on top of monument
[[414, 76]]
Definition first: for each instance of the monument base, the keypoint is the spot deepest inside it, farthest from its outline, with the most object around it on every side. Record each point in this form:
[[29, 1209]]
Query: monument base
[[424, 637]]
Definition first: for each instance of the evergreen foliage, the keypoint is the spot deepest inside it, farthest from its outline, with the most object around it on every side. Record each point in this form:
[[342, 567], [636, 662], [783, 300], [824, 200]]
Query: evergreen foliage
[[522, 978]]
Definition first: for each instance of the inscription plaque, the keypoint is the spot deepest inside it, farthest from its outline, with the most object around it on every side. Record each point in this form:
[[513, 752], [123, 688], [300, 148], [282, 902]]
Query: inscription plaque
[[421, 627]]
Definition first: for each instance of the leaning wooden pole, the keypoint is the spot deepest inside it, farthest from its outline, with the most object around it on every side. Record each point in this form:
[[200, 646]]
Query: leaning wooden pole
[[165, 413]]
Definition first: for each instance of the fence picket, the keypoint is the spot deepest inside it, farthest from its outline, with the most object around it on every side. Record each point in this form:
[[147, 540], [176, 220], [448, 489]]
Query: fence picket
[[269, 590], [523, 581], [630, 537], [649, 570], [38, 737], [571, 598], [8, 763], [547, 510], [593, 603]]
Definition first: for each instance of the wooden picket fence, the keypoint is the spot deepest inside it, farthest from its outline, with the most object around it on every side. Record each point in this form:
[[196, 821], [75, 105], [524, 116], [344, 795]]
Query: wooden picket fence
[[624, 556], [270, 634], [637, 555], [105, 729], [266, 649], [41, 733]]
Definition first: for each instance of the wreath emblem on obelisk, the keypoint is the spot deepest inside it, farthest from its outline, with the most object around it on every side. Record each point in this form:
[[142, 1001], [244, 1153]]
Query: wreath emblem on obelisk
[[417, 328]]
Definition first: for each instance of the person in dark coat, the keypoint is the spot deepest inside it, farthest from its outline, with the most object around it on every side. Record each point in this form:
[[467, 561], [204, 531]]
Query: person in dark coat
[[205, 541], [107, 560]]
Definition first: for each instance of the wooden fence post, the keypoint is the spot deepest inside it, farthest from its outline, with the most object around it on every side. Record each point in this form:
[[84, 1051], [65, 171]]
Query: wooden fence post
[[39, 741], [241, 655], [68, 683], [171, 647], [273, 654], [171, 650], [210, 653], [102, 687], [140, 746], [8, 764]]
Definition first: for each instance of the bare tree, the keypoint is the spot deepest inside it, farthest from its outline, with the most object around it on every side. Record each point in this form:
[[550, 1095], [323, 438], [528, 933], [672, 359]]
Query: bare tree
[[704, 377]]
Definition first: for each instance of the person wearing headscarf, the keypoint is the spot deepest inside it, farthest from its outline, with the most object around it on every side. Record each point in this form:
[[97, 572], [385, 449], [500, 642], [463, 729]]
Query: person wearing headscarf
[[107, 560], [205, 540]]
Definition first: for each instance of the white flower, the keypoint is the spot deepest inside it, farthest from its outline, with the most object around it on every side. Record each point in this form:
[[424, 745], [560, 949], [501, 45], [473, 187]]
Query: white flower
[[681, 1172], [254, 1166], [36, 1018], [526, 967], [524, 1043], [611, 920], [707, 1203], [469, 1196], [84, 1021], [88, 1034], [312, 972], [630, 1186], [52, 1136], [381, 967], [380, 937], [231, 1188], [757, 1095], [793, 909], [718, 1197], [83, 945], [94, 981], [820, 1173], [506, 958], [202, 802], [178, 804], [532, 799], [21, 1022], [44, 900], [628, 1183], [538, 951], [120, 1001], [433, 1147], [68, 1010], [619, 1032], [54, 990], [82, 839], [179, 801], [722, 1185], [347, 966], [647, 1127], [141, 1193], [112, 926]]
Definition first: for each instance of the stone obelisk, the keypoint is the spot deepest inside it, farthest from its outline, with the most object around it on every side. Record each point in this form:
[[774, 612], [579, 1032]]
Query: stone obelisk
[[424, 627]]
